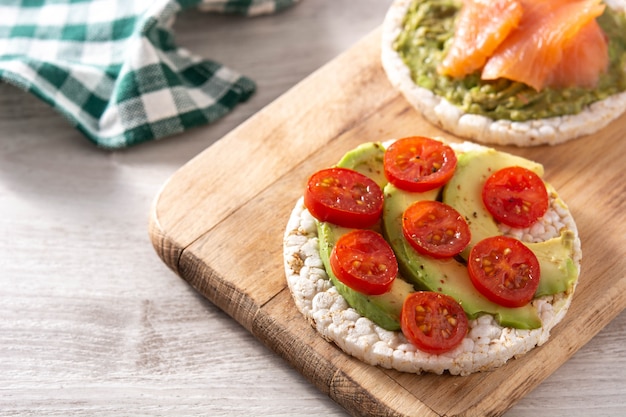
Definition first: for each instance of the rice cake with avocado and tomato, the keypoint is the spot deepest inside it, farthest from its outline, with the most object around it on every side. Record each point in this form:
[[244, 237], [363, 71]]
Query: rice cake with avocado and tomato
[[378, 270], [474, 69]]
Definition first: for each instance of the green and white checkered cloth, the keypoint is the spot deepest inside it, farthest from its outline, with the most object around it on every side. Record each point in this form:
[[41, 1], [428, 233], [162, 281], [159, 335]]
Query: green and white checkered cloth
[[112, 66]]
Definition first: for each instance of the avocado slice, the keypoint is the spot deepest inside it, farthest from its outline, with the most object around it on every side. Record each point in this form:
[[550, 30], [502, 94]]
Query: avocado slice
[[556, 263], [464, 193], [464, 190], [447, 276], [368, 159], [384, 309]]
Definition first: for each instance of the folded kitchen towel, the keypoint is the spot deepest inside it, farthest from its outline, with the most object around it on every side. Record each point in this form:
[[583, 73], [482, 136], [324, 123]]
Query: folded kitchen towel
[[112, 66]]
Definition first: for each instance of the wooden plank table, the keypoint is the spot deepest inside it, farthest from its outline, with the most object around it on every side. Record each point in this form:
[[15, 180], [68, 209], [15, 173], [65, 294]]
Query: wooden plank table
[[93, 323]]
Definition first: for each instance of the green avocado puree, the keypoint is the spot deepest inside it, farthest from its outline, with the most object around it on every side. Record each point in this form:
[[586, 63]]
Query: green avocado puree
[[429, 26]]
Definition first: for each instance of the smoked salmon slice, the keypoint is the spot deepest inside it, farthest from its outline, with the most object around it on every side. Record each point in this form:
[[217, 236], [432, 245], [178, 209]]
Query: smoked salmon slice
[[532, 52], [481, 26], [585, 57]]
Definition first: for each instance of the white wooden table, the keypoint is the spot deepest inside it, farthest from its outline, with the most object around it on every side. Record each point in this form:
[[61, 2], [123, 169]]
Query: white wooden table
[[93, 323]]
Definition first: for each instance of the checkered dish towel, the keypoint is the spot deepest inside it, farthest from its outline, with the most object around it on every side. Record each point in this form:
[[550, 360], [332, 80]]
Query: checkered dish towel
[[113, 69]]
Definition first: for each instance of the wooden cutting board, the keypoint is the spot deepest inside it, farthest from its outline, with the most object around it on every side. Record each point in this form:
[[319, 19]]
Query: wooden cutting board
[[219, 221]]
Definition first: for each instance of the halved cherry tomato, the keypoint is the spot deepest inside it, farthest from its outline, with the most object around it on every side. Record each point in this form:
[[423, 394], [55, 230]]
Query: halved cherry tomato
[[504, 270], [344, 197], [419, 164], [515, 196], [433, 322], [363, 260], [435, 229]]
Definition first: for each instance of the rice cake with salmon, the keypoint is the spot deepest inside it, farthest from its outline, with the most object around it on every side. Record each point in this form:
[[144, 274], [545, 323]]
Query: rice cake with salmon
[[473, 68]]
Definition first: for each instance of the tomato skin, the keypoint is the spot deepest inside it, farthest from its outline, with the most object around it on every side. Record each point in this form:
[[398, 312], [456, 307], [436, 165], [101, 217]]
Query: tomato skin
[[515, 196], [504, 270], [419, 164], [363, 260], [435, 229], [434, 322], [344, 197]]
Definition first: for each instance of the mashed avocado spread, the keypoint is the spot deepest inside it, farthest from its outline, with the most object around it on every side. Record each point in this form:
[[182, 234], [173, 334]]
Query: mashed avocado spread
[[429, 25]]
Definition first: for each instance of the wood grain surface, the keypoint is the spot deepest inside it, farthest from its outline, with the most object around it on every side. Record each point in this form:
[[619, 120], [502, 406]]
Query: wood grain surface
[[219, 222], [93, 323]]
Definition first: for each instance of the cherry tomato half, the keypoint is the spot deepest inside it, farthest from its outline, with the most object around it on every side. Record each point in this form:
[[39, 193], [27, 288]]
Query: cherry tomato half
[[363, 260], [435, 229], [419, 164], [433, 322], [344, 197], [515, 196], [504, 270]]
